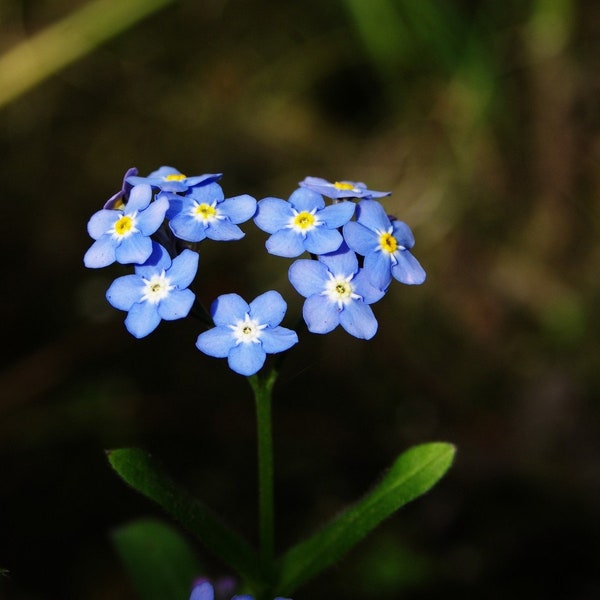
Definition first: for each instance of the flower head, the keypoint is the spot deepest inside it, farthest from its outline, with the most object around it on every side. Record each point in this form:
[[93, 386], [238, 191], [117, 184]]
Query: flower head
[[169, 179], [340, 189], [122, 234], [303, 223], [205, 213], [246, 333], [385, 244], [157, 290], [337, 292], [203, 590]]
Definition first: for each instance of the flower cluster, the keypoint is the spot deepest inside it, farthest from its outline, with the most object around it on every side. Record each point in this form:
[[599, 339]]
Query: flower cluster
[[154, 223]]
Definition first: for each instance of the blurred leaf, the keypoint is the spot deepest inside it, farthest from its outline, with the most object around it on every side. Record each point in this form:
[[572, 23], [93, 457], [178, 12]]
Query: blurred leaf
[[138, 470], [159, 561], [413, 474]]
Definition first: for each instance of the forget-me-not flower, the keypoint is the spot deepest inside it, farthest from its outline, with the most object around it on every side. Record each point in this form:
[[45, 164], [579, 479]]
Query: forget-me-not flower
[[205, 213], [303, 223], [246, 333], [385, 244], [337, 292], [340, 189], [157, 290], [169, 179], [122, 235], [203, 590]]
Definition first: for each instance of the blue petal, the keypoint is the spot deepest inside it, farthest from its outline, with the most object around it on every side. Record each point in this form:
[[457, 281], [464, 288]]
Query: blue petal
[[198, 180], [207, 194], [151, 219], [216, 342], [143, 318], [341, 262], [404, 236], [158, 260], [187, 228], [365, 289], [278, 339], [184, 268], [268, 308], [203, 591], [360, 238], [102, 221], [378, 265], [239, 208], [320, 314], [336, 215], [372, 215], [101, 253], [358, 320], [246, 359], [222, 230], [320, 240], [308, 277], [134, 249], [305, 199], [228, 309], [139, 198], [408, 269], [176, 305], [285, 242], [273, 214], [176, 203], [125, 291]]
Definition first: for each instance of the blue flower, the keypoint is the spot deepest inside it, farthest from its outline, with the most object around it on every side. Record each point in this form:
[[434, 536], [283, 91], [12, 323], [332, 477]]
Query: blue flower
[[340, 189], [385, 244], [205, 213], [246, 333], [158, 290], [169, 179], [337, 292], [123, 234], [119, 199], [302, 223], [203, 590]]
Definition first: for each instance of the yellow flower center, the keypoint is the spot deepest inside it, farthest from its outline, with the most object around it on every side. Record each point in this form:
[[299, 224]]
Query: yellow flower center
[[342, 185], [205, 212], [339, 290], [124, 225], [175, 177], [388, 243], [304, 220]]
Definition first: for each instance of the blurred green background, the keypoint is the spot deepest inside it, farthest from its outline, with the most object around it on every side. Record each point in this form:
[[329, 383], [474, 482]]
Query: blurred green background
[[482, 117]]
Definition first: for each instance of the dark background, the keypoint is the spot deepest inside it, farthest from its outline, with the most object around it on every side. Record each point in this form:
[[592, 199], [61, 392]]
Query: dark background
[[483, 119]]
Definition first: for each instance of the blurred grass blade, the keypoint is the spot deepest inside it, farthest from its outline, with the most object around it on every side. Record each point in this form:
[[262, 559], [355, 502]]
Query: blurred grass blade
[[157, 558], [137, 469], [414, 473], [37, 58]]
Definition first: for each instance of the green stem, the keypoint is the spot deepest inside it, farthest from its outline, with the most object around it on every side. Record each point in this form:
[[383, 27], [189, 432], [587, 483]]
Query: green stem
[[262, 388]]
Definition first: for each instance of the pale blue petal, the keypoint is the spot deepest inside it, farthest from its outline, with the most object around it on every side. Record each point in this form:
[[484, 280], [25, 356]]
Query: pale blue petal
[[176, 204], [216, 342], [320, 314], [151, 219], [278, 339], [239, 209], [203, 591], [358, 320], [125, 291], [305, 199], [372, 215], [365, 289], [320, 240], [185, 227], [228, 309], [176, 305], [134, 249], [158, 260], [246, 359], [198, 180], [143, 318], [408, 269], [360, 238], [286, 243], [102, 221], [336, 215], [268, 308], [308, 277], [223, 231], [273, 214], [378, 265], [206, 194], [101, 253], [341, 262], [184, 268], [404, 236], [139, 198]]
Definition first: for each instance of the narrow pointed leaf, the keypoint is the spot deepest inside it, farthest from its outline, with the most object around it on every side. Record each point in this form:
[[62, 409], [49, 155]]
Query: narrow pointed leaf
[[414, 473], [159, 561], [137, 469]]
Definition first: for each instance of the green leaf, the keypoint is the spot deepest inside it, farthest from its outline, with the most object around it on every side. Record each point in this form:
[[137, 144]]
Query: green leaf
[[138, 470], [414, 473], [158, 559]]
